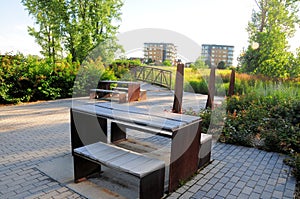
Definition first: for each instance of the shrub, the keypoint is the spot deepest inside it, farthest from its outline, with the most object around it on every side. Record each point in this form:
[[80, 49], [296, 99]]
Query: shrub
[[167, 63], [197, 86], [89, 74], [30, 78]]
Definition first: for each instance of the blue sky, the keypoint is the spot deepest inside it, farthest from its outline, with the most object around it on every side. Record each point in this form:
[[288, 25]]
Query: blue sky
[[203, 21]]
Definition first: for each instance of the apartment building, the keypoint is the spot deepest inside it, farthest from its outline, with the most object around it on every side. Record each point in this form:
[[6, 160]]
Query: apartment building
[[159, 52], [213, 54]]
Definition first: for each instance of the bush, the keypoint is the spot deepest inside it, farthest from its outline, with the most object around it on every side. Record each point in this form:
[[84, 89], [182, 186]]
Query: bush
[[89, 74], [167, 63], [265, 114], [197, 86], [30, 78]]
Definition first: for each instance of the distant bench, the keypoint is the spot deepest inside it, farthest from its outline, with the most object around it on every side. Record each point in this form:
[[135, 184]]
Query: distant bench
[[143, 93], [131, 88], [101, 93], [149, 171]]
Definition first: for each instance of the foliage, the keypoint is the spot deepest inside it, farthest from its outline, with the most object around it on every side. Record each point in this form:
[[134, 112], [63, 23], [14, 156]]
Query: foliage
[[29, 78], [121, 68], [75, 26], [221, 65], [266, 115], [270, 121], [271, 26], [89, 74], [196, 86], [167, 63], [199, 64]]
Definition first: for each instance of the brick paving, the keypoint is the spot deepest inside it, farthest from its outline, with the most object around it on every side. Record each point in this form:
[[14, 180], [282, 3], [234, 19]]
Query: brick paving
[[241, 172], [32, 134], [37, 133]]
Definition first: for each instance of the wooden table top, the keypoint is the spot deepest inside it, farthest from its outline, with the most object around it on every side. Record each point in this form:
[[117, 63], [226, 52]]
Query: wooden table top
[[161, 120]]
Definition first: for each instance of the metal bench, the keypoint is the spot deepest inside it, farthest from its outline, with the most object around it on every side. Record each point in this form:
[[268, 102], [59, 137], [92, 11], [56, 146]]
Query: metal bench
[[102, 93], [143, 93], [133, 88], [150, 172]]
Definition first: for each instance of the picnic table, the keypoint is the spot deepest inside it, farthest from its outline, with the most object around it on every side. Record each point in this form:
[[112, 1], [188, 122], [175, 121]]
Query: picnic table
[[133, 88], [89, 125]]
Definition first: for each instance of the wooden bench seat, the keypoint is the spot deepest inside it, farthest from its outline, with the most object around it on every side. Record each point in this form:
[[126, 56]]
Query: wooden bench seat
[[149, 171], [100, 93]]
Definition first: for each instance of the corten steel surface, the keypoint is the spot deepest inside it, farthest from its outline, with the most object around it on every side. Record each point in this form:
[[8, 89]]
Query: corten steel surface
[[184, 131], [84, 168], [152, 186], [177, 104], [87, 129], [133, 92], [184, 154], [231, 84], [211, 88], [133, 88]]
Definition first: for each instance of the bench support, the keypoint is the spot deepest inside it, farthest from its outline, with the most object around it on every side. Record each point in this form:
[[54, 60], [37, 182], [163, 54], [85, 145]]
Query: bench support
[[84, 168], [152, 186], [118, 132], [205, 149], [184, 149], [133, 92], [101, 93]]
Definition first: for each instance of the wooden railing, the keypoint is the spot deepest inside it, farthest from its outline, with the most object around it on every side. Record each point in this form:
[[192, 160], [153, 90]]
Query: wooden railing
[[153, 75]]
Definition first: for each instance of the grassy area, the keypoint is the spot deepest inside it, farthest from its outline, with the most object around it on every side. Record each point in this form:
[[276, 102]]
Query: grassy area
[[197, 80]]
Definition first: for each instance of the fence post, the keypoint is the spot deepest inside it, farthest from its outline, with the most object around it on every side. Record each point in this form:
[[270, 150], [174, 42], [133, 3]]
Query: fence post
[[231, 84], [211, 88], [177, 104]]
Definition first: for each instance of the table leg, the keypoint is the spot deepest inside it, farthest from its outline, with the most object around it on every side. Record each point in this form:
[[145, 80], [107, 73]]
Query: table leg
[[118, 132], [184, 154], [87, 129], [133, 92]]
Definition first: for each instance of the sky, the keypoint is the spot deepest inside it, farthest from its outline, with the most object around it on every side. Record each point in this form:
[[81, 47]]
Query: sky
[[222, 22]]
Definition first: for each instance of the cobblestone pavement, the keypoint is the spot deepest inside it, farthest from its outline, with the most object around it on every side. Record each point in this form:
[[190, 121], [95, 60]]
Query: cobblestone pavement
[[37, 133]]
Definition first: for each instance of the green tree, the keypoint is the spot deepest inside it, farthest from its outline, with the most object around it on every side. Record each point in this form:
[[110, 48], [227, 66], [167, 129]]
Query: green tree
[[221, 65], [270, 28], [73, 26], [167, 63], [48, 31], [199, 63]]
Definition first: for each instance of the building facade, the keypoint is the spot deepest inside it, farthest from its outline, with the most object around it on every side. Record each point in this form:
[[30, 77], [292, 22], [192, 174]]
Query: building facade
[[213, 55], [159, 52]]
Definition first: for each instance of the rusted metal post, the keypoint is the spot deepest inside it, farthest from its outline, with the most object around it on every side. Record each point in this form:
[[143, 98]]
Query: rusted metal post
[[177, 104], [211, 88], [231, 84]]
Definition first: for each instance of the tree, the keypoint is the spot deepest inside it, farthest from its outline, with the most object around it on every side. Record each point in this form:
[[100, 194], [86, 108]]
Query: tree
[[73, 26], [167, 62], [221, 65], [270, 28], [199, 63], [49, 31]]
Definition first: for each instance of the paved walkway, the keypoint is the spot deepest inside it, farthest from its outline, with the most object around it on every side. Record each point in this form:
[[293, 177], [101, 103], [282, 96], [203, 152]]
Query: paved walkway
[[35, 161]]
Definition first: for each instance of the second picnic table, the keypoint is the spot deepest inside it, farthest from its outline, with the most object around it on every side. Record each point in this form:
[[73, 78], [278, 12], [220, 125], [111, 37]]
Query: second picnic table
[[132, 87]]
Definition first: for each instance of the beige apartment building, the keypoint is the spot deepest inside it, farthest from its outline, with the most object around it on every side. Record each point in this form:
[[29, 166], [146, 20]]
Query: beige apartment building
[[159, 52]]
